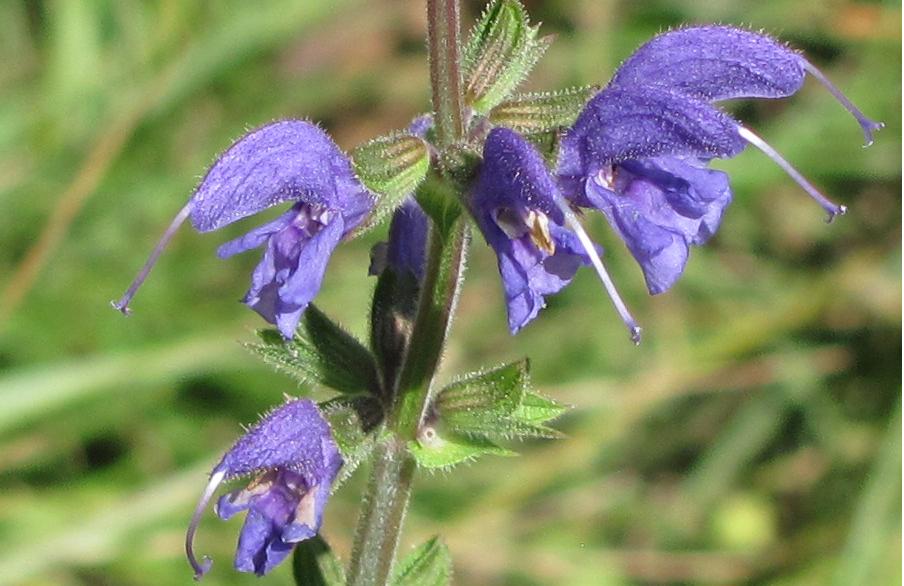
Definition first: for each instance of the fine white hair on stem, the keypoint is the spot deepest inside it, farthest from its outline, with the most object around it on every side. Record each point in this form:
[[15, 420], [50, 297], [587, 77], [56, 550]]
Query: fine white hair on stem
[[601, 271], [832, 208], [123, 303], [203, 566]]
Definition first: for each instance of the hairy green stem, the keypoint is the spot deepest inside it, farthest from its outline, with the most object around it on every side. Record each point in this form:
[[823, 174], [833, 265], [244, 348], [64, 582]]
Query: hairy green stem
[[382, 513], [443, 32], [446, 260], [389, 488], [387, 493]]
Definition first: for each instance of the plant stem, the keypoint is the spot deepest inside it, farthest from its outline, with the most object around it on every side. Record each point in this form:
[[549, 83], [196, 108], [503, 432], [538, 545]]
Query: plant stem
[[382, 513], [389, 488], [443, 28], [386, 497]]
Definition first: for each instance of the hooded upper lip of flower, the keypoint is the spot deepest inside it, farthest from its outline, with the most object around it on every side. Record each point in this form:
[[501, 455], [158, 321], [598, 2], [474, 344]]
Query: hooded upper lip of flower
[[288, 160], [639, 149], [294, 461]]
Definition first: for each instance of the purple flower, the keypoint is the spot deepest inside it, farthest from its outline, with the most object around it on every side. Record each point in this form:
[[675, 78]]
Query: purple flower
[[639, 149], [286, 161], [294, 460], [405, 252], [514, 202]]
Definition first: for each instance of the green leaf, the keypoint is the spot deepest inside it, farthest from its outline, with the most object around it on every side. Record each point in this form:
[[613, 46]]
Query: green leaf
[[391, 166], [322, 353], [496, 404], [497, 391], [315, 564], [352, 421], [432, 450], [428, 565], [537, 409], [542, 112], [502, 50]]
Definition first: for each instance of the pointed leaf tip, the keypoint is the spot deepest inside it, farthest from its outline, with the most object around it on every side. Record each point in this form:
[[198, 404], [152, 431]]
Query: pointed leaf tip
[[430, 564], [502, 50]]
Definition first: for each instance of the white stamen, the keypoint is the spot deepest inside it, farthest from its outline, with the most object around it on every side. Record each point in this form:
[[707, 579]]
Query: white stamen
[[123, 303], [203, 566], [597, 262], [832, 208], [867, 125]]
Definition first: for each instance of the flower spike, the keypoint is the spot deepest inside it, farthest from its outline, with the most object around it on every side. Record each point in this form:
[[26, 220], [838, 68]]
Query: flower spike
[[833, 209]]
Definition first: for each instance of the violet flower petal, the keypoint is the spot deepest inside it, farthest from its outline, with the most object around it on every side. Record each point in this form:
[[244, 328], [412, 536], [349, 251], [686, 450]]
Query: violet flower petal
[[406, 249], [295, 459], [721, 63], [715, 63], [690, 189], [621, 124], [260, 546], [660, 207], [294, 437], [256, 237], [289, 160], [292, 269], [512, 188]]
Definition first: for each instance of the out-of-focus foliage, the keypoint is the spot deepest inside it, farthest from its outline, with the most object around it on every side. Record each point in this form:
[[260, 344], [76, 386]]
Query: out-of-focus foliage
[[755, 435]]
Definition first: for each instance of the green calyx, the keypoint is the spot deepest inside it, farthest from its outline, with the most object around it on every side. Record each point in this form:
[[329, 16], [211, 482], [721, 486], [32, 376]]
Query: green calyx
[[502, 50], [391, 166], [540, 112]]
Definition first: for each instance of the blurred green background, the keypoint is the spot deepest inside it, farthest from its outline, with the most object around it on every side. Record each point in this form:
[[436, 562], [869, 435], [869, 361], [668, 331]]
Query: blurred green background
[[755, 436]]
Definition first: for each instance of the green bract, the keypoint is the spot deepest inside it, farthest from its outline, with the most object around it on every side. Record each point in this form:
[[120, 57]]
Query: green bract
[[322, 353], [502, 50], [428, 565], [471, 415], [543, 111], [391, 166]]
